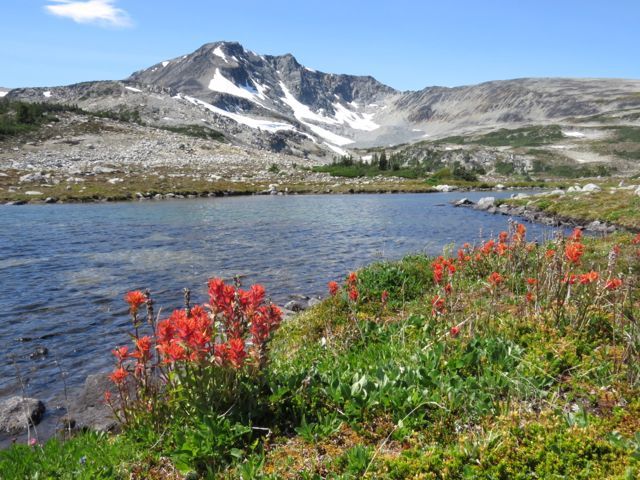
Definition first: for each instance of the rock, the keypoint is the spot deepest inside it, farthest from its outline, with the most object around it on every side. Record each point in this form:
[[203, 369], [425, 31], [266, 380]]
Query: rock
[[286, 314], [296, 305], [51, 200], [17, 412], [103, 170], [591, 187], [445, 188], [39, 352], [33, 178], [113, 181], [462, 202], [88, 410], [637, 191], [557, 192], [33, 192], [499, 187], [313, 302], [17, 202], [573, 189], [596, 226], [520, 196], [485, 203]]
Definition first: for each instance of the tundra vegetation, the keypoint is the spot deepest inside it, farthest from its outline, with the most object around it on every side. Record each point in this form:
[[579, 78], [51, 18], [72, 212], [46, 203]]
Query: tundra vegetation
[[505, 359]]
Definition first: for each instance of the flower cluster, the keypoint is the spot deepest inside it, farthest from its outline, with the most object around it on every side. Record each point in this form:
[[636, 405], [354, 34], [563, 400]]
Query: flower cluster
[[230, 332]]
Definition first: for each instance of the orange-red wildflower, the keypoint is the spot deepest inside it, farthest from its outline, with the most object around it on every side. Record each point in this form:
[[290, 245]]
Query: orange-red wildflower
[[590, 277], [495, 278], [135, 298], [613, 284], [119, 375], [573, 251]]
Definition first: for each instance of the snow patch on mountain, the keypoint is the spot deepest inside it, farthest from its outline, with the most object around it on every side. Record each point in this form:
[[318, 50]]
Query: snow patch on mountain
[[219, 83], [266, 125], [47, 94], [164, 64], [132, 89], [302, 111], [573, 134], [358, 121], [2, 94], [218, 52], [336, 149], [327, 135]]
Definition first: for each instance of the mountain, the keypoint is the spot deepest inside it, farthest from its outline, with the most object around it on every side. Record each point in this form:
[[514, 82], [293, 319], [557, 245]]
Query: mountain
[[275, 103]]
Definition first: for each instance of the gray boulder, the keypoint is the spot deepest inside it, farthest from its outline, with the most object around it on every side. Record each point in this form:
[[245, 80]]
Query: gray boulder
[[88, 411], [296, 305], [16, 413], [591, 187], [462, 202], [485, 203]]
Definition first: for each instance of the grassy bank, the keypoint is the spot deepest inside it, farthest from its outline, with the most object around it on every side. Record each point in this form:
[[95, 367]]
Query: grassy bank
[[504, 360], [620, 208]]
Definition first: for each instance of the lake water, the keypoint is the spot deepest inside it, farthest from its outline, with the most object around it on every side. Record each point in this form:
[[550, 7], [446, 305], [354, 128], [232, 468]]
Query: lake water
[[65, 268]]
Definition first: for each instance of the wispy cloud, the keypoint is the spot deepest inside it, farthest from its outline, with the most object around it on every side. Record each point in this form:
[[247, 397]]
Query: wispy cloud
[[100, 12]]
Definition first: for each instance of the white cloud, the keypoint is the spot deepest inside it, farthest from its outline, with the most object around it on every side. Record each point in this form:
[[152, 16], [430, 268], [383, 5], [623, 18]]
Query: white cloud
[[101, 12]]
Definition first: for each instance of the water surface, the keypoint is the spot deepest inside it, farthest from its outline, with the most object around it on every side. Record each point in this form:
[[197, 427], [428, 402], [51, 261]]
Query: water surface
[[65, 268]]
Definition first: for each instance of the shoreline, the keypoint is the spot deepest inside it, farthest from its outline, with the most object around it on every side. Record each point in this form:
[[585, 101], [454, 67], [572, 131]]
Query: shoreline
[[182, 195]]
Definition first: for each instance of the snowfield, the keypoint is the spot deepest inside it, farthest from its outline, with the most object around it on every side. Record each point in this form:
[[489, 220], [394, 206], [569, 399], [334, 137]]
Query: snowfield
[[256, 123]]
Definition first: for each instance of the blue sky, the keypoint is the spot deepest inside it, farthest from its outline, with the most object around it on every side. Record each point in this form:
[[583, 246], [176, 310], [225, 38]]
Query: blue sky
[[405, 44]]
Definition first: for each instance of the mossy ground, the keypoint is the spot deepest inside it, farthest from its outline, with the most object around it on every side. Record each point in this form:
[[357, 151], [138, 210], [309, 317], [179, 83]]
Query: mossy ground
[[621, 207]]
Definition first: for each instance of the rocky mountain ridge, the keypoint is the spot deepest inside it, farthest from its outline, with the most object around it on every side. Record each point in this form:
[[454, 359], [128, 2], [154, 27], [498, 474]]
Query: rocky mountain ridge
[[277, 104]]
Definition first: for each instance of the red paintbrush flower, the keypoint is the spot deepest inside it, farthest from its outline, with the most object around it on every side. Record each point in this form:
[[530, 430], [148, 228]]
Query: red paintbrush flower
[[121, 353], [586, 278], [135, 298], [495, 279], [438, 304], [613, 284], [353, 295], [576, 235], [573, 252], [455, 331], [333, 288], [236, 353], [384, 297], [118, 376]]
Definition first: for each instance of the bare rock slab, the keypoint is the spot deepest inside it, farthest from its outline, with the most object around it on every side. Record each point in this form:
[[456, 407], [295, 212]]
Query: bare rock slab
[[17, 413]]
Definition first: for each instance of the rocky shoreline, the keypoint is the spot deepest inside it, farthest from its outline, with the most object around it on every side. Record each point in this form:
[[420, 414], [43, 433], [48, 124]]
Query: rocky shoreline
[[272, 189], [534, 214]]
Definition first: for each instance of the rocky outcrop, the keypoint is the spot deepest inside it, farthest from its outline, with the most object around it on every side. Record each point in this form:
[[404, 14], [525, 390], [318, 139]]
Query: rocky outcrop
[[17, 413], [88, 410]]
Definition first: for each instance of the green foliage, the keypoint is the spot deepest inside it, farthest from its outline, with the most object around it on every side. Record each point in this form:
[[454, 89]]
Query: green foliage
[[21, 117], [395, 166], [274, 168], [518, 137], [87, 456], [325, 426], [197, 131], [505, 168]]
